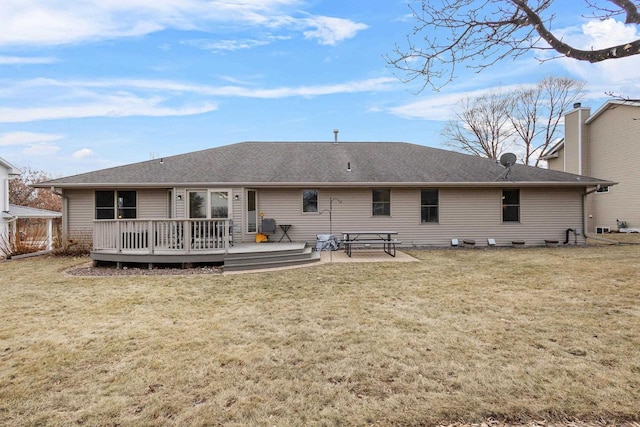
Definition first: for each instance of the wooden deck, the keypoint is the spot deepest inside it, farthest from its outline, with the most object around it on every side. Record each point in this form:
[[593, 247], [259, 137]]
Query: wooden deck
[[238, 256]]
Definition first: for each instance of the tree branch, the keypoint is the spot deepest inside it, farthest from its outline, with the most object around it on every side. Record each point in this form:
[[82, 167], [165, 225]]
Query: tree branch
[[614, 52]]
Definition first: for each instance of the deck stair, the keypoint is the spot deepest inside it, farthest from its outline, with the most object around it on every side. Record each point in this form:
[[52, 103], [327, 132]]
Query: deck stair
[[280, 256]]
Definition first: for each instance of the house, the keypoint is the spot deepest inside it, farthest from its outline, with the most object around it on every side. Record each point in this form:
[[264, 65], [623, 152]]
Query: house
[[10, 214], [7, 172], [605, 144], [186, 204]]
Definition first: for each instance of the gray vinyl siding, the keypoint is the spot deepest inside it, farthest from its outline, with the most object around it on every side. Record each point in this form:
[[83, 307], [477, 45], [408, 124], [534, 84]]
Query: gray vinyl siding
[[79, 214], [153, 204], [80, 209], [545, 213], [463, 213]]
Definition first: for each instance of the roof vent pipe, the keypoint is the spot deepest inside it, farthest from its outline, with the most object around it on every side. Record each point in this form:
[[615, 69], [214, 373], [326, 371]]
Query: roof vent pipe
[[577, 105], [335, 135]]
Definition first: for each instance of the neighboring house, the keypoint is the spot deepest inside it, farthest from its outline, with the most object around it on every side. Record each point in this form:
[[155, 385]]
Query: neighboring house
[[605, 144], [427, 195], [7, 172], [10, 214]]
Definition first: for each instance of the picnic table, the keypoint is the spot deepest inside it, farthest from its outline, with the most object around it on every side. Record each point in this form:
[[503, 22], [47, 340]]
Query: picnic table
[[365, 238]]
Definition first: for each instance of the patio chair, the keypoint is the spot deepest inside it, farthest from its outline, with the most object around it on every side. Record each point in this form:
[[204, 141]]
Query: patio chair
[[268, 226]]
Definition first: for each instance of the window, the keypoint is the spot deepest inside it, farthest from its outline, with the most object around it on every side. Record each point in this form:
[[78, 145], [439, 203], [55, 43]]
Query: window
[[127, 204], [209, 204], [108, 203], [511, 205], [381, 205], [105, 205], [252, 213], [197, 204], [603, 189], [309, 201], [429, 205], [219, 204]]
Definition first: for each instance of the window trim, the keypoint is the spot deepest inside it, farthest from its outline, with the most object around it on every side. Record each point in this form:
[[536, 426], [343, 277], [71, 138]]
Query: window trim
[[387, 203], [317, 211], [437, 206], [207, 202], [115, 208], [248, 212], [505, 205]]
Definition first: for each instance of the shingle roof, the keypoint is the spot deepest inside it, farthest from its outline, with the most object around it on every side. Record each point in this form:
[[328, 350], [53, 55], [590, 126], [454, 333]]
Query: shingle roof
[[294, 163], [10, 168], [27, 212]]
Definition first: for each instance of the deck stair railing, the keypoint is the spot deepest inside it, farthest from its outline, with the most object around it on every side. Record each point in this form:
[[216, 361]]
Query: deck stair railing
[[161, 235]]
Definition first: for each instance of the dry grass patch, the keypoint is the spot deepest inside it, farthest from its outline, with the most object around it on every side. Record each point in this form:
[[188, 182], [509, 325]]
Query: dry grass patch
[[461, 336]]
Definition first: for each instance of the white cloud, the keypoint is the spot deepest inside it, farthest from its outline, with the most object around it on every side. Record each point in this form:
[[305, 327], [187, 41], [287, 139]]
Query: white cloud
[[608, 32], [111, 106], [330, 31], [43, 149], [82, 153], [27, 138], [619, 76], [441, 107], [233, 45], [26, 60], [152, 98], [41, 22]]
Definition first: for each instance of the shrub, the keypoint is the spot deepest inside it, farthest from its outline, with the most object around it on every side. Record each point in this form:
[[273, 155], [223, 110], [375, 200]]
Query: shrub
[[20, 243], [78, 243]]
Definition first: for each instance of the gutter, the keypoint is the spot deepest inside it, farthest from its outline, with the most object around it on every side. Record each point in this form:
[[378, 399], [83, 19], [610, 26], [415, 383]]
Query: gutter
[[325, 184]]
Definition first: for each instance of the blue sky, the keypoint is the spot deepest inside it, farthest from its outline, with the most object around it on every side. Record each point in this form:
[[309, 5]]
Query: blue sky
[[96, 84]]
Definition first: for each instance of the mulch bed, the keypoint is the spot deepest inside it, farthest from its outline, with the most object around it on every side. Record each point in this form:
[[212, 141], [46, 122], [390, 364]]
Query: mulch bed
[[89, 270]]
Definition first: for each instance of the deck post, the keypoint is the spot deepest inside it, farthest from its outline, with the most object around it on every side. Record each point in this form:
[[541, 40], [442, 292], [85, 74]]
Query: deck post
[[119, 237], [187, 237], [49, 234], [227, 235], [151, 233]]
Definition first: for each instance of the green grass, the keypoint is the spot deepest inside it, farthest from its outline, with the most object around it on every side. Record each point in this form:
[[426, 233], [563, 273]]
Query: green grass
[[463, 335]]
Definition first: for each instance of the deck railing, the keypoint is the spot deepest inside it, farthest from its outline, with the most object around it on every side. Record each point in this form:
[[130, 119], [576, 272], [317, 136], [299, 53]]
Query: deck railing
[[161, 235]]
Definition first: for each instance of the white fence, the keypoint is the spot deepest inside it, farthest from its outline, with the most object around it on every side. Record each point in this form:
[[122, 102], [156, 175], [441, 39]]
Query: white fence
[[176, 236]]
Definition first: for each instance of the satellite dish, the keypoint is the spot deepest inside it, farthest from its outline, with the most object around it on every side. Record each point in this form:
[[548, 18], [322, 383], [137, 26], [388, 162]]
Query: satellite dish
[[508, 159]]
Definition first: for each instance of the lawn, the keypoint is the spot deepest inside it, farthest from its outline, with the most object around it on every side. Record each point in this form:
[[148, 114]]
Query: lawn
[[462, 336]]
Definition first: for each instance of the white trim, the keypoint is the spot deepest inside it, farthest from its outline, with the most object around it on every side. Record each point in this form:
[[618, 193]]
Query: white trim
[[317, 211], [207, 206]]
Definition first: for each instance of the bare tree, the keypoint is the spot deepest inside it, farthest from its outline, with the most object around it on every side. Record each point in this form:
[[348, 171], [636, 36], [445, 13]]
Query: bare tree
[[22, 194], [537, 112], [479, 33], [482, 126], [525, 120]]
